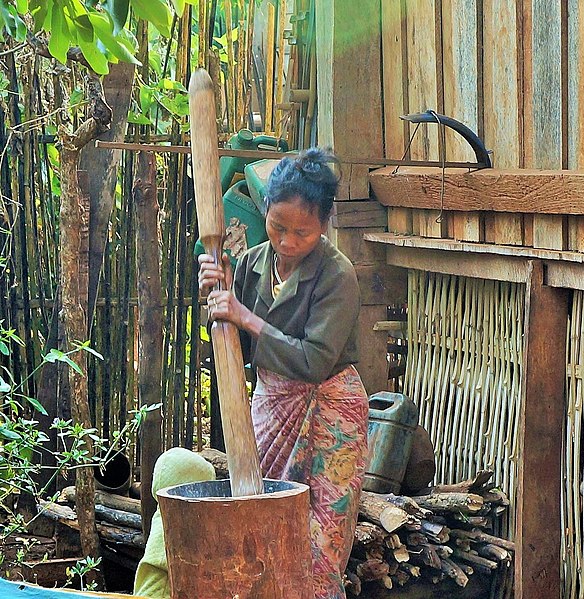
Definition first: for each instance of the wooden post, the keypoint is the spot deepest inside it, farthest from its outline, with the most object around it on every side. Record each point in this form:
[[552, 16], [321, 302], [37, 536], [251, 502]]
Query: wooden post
[[539, 532], [149, 325]]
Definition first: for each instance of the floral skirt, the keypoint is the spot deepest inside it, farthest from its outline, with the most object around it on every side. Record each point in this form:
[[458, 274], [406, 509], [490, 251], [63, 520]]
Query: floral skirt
[[317, 435]]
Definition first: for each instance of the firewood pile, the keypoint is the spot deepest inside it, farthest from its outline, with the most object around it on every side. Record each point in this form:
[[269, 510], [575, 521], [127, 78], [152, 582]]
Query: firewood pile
[[443, 534]]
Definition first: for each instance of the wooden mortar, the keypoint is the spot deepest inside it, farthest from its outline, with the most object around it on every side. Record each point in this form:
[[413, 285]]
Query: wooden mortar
[[249, 547]]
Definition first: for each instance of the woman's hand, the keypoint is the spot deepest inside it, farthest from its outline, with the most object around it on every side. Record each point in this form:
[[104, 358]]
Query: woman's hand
[[210, 274], [223, 305]]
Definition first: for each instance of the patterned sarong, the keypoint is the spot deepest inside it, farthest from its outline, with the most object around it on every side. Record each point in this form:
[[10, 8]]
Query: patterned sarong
[[317, 435]]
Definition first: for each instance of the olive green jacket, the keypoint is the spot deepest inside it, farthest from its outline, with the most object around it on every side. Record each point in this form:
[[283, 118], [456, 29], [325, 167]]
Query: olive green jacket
[[311, 327]]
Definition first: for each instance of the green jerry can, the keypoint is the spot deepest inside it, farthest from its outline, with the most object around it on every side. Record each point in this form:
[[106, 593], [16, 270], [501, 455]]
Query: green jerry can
[[244, 139], [393, 419], [244, 224]]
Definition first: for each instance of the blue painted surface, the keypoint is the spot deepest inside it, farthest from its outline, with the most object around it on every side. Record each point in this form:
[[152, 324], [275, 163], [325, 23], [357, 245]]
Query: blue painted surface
[[8, 590]]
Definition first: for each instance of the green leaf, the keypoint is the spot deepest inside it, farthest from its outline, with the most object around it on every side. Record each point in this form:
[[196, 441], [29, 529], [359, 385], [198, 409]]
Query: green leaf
[[138, 119], [104, 30], [36, 404], [96, 59], [4, 348], [22, 6], [118, 9], [56, 355], [4, 386], [84, 28], [6, 433], [179, 6], [156, 12], [41, 11], [59, 42]]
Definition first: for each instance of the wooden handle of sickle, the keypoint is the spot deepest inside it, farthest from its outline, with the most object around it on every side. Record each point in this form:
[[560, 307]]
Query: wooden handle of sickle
[[240, 445]]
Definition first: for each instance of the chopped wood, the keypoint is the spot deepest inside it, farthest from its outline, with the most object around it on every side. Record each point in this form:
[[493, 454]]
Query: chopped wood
[[401, 554], [117, 502], [425, 556], [386, 581], [453, 571], [353, 584], [408, 504], [413, 571], [372, 569], [493, 552], [466, 486], [392, 541], [107, 532], [367, 532], [118, 517], [374, 508], [477, 561], [442, 550], [480, 536], [465, 503], [416, 538], [436, 532], [401, 577]]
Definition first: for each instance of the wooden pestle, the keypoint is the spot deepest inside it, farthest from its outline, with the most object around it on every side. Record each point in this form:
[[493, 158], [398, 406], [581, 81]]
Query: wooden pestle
[[240, 446]]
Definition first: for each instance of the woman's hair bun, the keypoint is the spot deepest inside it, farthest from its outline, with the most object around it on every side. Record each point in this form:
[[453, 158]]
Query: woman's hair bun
[[312, 162], [312, 175]]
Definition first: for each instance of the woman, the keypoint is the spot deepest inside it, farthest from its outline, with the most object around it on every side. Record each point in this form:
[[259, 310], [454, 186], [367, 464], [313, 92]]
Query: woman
[[296, 300]]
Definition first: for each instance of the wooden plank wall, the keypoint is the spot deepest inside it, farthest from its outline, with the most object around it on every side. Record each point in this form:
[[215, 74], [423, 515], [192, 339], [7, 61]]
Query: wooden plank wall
[[512, 70], [509, 69]]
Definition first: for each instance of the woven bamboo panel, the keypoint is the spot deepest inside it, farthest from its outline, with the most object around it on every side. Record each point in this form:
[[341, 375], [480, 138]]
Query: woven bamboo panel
[[572, 515], [464, 373]]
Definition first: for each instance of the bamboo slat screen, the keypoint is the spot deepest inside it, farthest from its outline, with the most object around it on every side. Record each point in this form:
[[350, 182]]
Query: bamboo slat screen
[[572, 514], [464, 372]]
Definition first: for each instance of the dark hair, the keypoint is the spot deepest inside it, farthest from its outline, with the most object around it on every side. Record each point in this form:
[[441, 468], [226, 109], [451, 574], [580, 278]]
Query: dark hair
[[310, 175]]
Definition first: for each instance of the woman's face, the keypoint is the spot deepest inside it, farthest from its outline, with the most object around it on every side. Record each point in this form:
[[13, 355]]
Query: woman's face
[[293, 228]]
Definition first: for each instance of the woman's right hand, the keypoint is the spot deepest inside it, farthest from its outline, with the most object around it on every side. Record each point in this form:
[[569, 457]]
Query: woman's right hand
[[210, 274]]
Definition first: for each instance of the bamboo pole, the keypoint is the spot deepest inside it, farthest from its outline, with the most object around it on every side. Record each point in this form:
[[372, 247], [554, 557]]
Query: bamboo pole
[[280, 65], [230, 79], [269, 116]]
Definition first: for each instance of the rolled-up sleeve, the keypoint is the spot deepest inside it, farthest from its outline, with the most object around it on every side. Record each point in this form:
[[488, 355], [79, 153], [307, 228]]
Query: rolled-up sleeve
[[333, 312]]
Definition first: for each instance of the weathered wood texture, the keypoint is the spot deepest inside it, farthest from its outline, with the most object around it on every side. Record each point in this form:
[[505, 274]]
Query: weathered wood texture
[[350, 122], [540, 444], [516, 191], [150, 316]]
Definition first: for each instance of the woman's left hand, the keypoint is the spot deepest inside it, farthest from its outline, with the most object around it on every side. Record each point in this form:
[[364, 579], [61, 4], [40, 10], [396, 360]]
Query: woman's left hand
[[223, 305]]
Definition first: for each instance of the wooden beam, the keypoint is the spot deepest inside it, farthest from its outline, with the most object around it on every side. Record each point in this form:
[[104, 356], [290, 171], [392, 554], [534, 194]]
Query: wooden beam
[[365, 213], [473, 248], [485, 266], [540, 192], [560, 274], [538, 525]]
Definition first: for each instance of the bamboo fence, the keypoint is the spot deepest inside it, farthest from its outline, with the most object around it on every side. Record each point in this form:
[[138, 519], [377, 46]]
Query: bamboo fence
[[29, 205], [464, 371], [572, 514]]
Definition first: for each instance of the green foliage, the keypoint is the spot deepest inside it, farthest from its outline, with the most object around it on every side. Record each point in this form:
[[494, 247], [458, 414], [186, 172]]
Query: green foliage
[[97, 28]]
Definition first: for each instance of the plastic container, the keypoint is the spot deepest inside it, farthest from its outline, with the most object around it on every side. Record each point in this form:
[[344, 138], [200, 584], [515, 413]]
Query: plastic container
[[257, 175], [244, 139], [393, 419], [238, 205]]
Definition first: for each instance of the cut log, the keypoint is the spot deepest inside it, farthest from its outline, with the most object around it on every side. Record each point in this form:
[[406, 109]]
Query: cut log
[[116, 502], [353, 584], [493, 552], [438, 533], [483, 537], [453, 571], [367, 532], [409, 505], [466, 486], [118, 517], [387, 515], [445, 503], [401, 554], [372, 569], [219, 461], [478, 562]]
